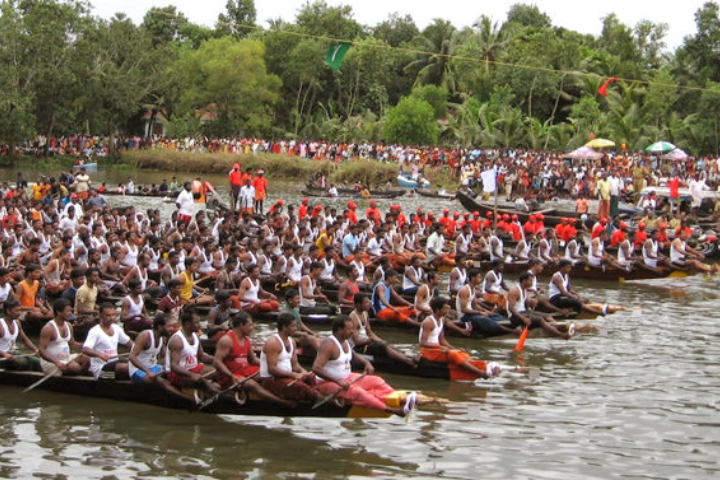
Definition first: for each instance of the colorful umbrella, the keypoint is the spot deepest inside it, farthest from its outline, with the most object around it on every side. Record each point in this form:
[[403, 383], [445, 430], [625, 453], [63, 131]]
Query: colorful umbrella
[[676, 155], [660, 147], [600, 143], [584, 153]]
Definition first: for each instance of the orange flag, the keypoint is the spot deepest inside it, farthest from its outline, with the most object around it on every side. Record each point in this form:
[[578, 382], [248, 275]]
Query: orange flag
[[603, 88]]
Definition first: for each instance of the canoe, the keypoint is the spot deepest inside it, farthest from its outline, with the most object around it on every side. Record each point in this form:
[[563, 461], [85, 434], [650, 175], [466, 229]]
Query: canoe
[[607, 274], [155, 395], [472, 206], [445, 196], [407, 182], [392, 194], [139, 193], [351, 191]]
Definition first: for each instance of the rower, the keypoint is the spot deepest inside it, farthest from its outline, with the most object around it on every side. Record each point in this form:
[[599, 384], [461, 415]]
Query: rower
[[536, 268], [280, 372], [597, 257], [426, 292], [365, 341], [171, 304], [385, 301], [133, 313], [57, 341], [304, 335], [189, 292], [186, 362], [546, 247], [493, 287], [481, 320], [27, 294], [626, 253], [520, 310], [413, 277], [523, 250], [101, 345], [309, 293], [651, 253], [563, 296], [219, 316], [235, 359], [574, 252], [435, 348], [458, 275], [10, 330], [348, 288], [253, 297], [435, 247], [683, 256], [332, 367]]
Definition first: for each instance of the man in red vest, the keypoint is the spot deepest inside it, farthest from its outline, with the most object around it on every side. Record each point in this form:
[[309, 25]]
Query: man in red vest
[[235, 177]]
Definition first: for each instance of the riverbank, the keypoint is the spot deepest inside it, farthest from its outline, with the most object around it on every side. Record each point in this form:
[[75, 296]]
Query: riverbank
[[281, 167]]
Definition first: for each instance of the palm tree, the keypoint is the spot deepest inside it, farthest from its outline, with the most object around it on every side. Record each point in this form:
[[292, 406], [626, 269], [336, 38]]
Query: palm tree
[[440, 40]]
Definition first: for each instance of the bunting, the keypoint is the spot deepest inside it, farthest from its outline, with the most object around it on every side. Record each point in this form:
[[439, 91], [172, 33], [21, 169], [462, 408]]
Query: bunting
[[603, 88]]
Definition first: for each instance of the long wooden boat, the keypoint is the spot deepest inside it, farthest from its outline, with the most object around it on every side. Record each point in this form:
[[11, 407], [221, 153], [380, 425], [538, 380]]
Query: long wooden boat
[[607, 274], [155, 395], [351, 191], [140, 193], [378, 195], [472, 206], [444, 196]]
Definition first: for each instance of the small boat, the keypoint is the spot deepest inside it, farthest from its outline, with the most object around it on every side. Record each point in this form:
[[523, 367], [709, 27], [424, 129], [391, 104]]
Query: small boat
[[407, 182], [151, 394], [140, 193], [446, 196], [345, 191], [86, 166], [474, 206]]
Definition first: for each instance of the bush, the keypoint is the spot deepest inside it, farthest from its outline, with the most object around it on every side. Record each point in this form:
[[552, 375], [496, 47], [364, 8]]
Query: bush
[[412, 122]]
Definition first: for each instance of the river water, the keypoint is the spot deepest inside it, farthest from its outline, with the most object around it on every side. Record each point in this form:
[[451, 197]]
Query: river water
[[638, 399]]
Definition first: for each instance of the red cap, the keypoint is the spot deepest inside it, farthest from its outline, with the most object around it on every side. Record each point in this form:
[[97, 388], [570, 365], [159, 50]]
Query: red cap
[[446, 210], [489, 214], [74, 196], [604, 221], [318, 207], [430, 213], [280, 201], [351, 205], [641, 225], [531, 217], [419, 210], [236, 165], [514, 217], [540, 216], [305, 200], [466, 214], [456, 214], [623, 225], [506, 216], [476, 213], [373, 203]]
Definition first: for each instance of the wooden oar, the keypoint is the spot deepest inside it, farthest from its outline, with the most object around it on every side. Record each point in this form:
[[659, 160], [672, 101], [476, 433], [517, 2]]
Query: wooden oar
[[215, 397], [17, 356], [332, 396], [50, 374]]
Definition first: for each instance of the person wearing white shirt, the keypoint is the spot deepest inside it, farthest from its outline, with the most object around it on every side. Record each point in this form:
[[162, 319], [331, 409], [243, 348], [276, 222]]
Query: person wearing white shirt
[[102, 343], [185, 204], [247, 197]]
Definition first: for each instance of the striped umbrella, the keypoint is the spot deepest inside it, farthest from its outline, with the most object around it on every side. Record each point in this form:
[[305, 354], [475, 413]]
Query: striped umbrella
[[660, 147]]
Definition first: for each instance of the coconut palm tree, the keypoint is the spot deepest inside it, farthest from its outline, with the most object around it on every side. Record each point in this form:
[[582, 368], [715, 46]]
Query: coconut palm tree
[[440, 41]]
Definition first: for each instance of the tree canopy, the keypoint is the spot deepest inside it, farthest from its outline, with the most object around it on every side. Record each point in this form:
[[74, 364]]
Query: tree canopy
[[521, 82]]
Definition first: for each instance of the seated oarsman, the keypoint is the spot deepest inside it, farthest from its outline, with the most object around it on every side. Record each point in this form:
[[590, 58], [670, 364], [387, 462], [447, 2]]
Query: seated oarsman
[[57, 273], [400, 255], [574, 251], [435, 348], [348, 288], [10, 331], [111, 270], [332, 367], [435, 251], [651, 253], [458, 275], [171, 304], [547, 248], [57, 341], [329, 277], [683, 256], [77, 280], [253, 297], [523, 250], [464, 244], [482, 320], [543, 303], [33, 306], [310, 293], [495, 244], [365, 341], [235, 359], [413, 277], [101, 345], [597, 256], [626, 253], [494, 287], [295, 266], [186, 363], [305, 336], [190, 293], [171, 269], [6, 288], [563, 296], [428, 289], [280, 372], [383, 266], [133, 313], [388, 305], [521, 314], [219, 316], [141, 272], [149, 346]]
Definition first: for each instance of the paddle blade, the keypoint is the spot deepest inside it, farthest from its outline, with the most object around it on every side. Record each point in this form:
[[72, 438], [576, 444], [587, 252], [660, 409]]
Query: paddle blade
[[521, 341]]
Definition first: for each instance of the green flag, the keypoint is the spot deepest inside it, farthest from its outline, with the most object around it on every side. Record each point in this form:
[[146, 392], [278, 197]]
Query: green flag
[[336, 53]]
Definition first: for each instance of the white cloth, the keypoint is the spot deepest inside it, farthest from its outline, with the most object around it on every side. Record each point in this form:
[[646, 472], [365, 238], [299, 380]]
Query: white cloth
[[186, 203]]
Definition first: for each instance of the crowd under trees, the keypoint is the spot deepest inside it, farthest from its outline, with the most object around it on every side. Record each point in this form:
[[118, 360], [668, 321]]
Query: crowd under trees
[[522, 83]]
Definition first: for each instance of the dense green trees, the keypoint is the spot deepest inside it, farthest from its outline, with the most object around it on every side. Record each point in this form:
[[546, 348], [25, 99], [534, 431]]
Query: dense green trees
[[522, 82]]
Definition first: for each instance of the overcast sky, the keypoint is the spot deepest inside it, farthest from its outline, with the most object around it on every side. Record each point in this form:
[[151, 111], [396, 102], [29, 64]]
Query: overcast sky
[[580, 15]]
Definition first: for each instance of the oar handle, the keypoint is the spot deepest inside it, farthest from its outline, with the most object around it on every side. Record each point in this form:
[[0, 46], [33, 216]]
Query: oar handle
[[324, 400]]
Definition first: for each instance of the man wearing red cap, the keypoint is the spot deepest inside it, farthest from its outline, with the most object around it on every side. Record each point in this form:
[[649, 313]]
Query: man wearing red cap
[[235, 178], [401, 219], [560, 228], [445, 219], [516, 228], [260, 184], [303, 209], [619, 235], [640, 236], [372, 213], [598, 228], [476, 223], [487, 223]]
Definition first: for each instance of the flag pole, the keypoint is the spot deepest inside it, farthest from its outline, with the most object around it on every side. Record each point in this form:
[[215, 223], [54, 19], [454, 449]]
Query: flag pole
[[497, 187]]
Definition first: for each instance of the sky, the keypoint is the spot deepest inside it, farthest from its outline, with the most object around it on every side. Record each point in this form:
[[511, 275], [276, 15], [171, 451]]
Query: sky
[[583, 16]]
